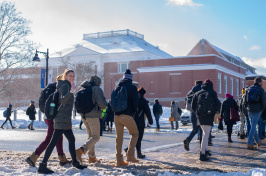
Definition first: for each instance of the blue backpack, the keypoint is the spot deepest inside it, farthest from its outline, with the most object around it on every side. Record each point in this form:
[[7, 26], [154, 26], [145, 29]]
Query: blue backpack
[[119, 99], [253, 95], [5, 113]]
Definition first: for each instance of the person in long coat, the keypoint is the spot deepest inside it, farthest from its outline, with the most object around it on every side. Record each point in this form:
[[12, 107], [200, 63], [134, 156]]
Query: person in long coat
[[31, 111], [176, 113]]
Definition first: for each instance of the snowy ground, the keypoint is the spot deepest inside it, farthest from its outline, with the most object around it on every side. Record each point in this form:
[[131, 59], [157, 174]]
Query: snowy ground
[[164, 150]]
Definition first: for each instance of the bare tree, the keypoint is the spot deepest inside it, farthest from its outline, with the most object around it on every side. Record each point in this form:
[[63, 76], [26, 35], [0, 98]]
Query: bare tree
[[16, 50]]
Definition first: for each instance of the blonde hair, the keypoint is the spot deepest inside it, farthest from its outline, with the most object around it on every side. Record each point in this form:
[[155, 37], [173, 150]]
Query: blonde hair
[[63, 76]]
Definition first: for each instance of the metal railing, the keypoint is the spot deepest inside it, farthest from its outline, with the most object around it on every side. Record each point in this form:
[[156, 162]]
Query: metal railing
[[113, 34]]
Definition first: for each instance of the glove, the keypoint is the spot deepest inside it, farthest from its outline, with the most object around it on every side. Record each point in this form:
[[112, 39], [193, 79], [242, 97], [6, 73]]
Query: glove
[[220, 119]]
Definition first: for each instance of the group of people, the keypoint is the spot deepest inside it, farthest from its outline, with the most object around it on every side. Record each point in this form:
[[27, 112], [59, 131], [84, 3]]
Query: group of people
[[204, 104]]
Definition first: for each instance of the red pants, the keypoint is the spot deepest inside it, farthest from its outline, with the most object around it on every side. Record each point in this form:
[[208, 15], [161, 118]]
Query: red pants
[[44, 144]]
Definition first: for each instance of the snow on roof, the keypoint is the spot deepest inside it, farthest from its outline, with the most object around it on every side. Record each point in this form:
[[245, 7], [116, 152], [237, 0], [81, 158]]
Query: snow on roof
[[254, 75], [227, 55], [117, 44]]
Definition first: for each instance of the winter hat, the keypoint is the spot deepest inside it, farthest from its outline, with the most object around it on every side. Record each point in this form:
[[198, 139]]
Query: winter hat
[[141, 91], [32, 101], [128, 74], [228, 95], [208, 81], [96, 80], [243, 90], [9, 105], [156, 100]]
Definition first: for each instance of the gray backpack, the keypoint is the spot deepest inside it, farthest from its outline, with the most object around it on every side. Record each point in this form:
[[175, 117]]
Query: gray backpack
[[119, 99]]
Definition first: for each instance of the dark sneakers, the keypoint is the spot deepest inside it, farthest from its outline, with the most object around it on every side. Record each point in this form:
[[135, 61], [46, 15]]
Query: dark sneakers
[[186, 145], [203, 157], [140, 155], [78, 166], [43, 169], [207, 153], [230, 140]]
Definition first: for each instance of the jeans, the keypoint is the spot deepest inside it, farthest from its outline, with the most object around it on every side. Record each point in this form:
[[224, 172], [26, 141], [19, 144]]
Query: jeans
[[195, 127], [253, 134], [157, 122], [261, 127], [248, 125]]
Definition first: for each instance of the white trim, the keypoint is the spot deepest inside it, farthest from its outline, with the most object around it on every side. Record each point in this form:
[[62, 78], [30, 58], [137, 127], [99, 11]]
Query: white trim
[[225, 85], [232, 85], [175, 74], [116, 73], [152, 93], [191, 67], [219, 83], [175, 93]]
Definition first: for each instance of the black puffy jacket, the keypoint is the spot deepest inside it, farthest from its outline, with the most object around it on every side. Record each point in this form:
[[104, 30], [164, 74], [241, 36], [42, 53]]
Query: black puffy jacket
[[143, 108]]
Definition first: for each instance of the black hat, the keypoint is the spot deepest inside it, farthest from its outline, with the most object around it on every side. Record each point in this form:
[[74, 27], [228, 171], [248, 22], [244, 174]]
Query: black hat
[[141, 91]]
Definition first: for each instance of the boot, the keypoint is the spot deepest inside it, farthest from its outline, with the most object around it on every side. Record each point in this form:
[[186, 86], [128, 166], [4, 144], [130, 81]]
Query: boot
[[132, 159], [259, 144], [207, 153], [140, 155], [2, 127], [242, 136], [78, 166], [121, 163], [43, 169], [92, 160], [13, 127], [186, 145], [31, 160], [63, 160], [29, 126], [230, 140], [110, 130], [252, 147], [203, 157], [79, 153]]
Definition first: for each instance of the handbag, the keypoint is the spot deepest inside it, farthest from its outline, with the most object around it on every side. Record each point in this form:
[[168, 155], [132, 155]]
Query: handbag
[[171, 119], [234, 113], [221, 126]]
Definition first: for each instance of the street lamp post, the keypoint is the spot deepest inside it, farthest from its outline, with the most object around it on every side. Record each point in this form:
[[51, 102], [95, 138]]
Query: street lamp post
[[37, 59]]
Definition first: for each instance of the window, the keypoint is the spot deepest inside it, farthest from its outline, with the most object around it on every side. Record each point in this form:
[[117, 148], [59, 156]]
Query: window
[[243, 84], [122, 67], [175, 85], [219, 83], [232, 86], [225, 84], [237, 87]]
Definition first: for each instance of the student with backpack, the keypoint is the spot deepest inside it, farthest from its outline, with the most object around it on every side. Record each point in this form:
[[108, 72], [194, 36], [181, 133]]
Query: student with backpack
[[124, 101], [7, 115], [62, 121], [31, 160], [157, 112], [225, 115], [31, 111], [205, 104], [254, 101], [195, 126], [89, 103]]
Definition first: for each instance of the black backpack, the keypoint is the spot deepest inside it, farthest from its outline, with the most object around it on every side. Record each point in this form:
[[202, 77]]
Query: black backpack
[[49, 110], [119, 99], [206, 104], [44, 96], [253, 95], [83, 100]]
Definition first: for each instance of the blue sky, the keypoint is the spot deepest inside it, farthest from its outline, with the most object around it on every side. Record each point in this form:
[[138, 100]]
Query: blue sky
[[236, 26]]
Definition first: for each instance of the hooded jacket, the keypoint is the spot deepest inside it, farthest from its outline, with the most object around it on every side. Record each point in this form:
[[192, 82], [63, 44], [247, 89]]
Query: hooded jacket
[[62, 119], [132, 100], [143, 108], [205, 120], [190, 94], [256, 107], [226, 105], [98, 100]]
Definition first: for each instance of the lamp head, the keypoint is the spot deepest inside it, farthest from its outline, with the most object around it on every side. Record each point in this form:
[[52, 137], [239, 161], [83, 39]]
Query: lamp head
[[36, 58]]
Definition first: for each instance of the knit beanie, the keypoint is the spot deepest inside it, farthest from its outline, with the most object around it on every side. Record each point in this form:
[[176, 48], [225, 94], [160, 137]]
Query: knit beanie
[[208, 81], [128, 74], [141, 91], [9, 105], [96, 80]]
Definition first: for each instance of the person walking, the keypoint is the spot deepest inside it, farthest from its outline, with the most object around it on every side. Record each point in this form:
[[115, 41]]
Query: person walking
[[8, 115], [109, 117], [254, 101], [62, 121], [176, 113], [91, 119], [102, 121], [31, 160], [243, 113], [228, 103], [31, 111], [205, 104], [157, 112], [125, 118], [195, 125]]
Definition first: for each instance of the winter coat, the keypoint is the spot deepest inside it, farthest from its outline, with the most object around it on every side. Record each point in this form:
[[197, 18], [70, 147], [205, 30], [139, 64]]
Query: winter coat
[[157, 109], [176, 112], [205, 120], [109, 114], [98, 100], [225, 110], [190, 94], [132, 98], [62, 119], [9, 111], [256, 107], [143, 108], [31, 111]]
